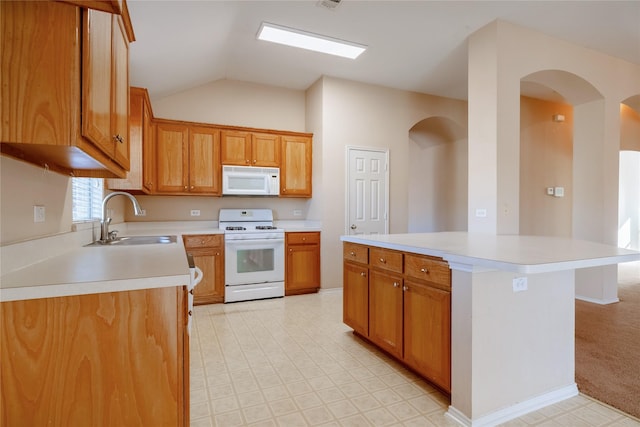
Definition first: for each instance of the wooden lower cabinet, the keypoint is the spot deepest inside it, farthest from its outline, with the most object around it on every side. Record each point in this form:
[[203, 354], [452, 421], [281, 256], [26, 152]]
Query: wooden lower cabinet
[[427, 332], [385, 311], [402, 303], [208, 255], [110, 359], [355, 306], [302, 263]]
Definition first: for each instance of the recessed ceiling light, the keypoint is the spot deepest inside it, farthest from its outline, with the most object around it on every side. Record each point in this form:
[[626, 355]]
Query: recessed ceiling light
[[302, 39]]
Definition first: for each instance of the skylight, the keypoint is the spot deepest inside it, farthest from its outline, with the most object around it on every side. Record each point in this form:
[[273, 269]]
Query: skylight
[[302, 39]]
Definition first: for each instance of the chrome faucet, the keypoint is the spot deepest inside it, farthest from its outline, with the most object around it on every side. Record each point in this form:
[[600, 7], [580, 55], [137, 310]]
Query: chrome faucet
[[104, 222]]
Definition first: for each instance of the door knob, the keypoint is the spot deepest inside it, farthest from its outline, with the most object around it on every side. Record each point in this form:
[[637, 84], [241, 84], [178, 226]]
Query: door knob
[[353, 226]]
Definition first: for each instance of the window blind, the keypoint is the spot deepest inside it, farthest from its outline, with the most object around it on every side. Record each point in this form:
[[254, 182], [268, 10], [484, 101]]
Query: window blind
[[87, 198]]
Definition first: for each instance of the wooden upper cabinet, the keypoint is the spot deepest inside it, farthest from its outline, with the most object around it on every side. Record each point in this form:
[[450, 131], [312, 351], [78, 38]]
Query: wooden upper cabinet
[[120, 92], [141, 146], [295, 171], [244, 148], [265, 150], [105, 85], [187, 159], [172, 156], [236, 148], [47, 70], [204, 160]]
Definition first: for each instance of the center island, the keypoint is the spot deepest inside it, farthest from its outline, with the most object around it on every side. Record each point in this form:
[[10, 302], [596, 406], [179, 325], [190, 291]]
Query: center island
[[512, 313]]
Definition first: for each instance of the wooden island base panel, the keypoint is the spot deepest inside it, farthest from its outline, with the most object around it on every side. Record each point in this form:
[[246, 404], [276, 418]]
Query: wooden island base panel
[[451, 305], [401, 302]]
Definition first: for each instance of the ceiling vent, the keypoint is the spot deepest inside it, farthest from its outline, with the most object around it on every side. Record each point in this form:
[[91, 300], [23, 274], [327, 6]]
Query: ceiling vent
[[329, 4]]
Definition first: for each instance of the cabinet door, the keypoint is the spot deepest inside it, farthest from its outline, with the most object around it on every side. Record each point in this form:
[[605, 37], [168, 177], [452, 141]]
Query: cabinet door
[[120, 92], [302, 265], [97, 80], [385, 311], [235, 147], [427, 332], [355, 305], [295, 170], [38, 107], [211, 288], [204, 160], [265, 150], [148, 150], [172, 158]]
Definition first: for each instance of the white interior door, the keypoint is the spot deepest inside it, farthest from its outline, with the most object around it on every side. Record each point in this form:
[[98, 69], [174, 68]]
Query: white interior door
[[368, 191]]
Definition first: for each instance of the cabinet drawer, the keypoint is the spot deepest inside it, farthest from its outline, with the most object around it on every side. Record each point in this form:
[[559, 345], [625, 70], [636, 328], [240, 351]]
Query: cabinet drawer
[[355, 253], [202, 241], [303, 238], [429, 269], [386, 259]]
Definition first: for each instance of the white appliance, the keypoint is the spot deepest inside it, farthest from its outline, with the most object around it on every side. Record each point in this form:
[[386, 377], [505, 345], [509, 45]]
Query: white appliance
[[254, 255], [250, 181], [195, 276]]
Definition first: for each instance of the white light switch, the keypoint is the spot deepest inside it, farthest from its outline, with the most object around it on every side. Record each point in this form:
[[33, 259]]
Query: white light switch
[[559, 191], [481, 213], [519, 284], [38, 213]]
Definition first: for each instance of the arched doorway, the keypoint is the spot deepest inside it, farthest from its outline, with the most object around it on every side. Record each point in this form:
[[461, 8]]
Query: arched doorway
[[437, 176]]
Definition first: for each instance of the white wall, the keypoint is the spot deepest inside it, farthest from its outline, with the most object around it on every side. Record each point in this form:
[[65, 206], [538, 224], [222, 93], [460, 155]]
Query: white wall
[[358, 114]]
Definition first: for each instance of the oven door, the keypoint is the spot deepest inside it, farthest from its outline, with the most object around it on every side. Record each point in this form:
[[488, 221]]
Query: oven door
[[254, 261]]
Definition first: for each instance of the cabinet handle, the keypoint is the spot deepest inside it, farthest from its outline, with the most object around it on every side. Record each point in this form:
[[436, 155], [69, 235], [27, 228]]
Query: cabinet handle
[[191, 291], [395, 284], [192, 187], [217, 253], [352, 253], [254, 161], [119, 138], [202, 242], [290, 250], [247, 161], [304, 239], [405, 288], [424, 270], [382, 260], [190, 313], [185, 187], [363, 274]]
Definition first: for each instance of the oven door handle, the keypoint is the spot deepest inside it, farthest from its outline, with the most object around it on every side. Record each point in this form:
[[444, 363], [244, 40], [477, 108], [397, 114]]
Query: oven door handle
[[253, 241]]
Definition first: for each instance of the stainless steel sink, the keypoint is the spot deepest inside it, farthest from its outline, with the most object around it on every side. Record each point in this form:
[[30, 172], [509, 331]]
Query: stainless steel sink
[[135, 240]]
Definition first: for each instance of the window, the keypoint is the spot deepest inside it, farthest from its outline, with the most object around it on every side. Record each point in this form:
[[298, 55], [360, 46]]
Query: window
[[87, 198]]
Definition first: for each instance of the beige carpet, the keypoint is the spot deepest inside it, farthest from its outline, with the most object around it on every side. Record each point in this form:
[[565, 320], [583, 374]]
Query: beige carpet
[[608, 345]]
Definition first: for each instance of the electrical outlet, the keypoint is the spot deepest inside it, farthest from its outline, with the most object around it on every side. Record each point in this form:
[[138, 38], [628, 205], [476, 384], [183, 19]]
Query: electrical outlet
[[550, 191], [297, 212], [519, 284], [559, 191], [38, 213], [481, 213], [195, 212], [143, 212]]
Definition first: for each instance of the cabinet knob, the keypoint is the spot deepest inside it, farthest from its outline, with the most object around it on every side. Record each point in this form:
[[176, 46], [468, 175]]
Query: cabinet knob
[[382, 260], [247, 161], [185, 187], [118, 138], [405, 288], [217, 253], [290, 250], [352, 253], [202, 242], [254, 161], [192, 187], [304, 239], [363, 274], [424, 270], [395, 284]]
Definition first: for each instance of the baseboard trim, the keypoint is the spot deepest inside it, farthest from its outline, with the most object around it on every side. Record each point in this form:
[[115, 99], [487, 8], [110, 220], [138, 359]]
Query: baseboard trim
[[598, 301], [515, 411], [329, 290]]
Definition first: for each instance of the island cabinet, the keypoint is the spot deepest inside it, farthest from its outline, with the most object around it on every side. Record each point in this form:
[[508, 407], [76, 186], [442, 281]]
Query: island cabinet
[[73, 118], [245, 148], [187, 159], [140, 177], [108, 359], [402, 303], [208, 255], [296, 169], [302, 263]]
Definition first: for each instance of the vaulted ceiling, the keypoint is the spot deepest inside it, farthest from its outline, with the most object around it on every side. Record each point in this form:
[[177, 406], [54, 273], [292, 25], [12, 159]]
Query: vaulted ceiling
[[413, 45]]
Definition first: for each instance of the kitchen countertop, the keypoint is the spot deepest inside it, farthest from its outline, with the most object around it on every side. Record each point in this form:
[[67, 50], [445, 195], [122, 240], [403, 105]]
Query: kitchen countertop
[[514, 253], [61, 265]]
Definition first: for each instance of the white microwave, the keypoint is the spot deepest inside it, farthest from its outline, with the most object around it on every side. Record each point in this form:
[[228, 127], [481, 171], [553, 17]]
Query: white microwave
[[250, 181]]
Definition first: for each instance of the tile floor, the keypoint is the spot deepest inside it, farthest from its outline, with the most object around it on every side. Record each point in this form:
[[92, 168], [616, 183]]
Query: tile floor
[[292, 362]]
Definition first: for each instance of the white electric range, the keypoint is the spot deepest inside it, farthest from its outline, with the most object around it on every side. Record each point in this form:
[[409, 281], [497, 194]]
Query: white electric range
[[254, 255]]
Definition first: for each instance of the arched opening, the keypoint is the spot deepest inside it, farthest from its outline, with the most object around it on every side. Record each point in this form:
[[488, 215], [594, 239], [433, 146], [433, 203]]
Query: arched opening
[[551, 109], [437, 176]]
